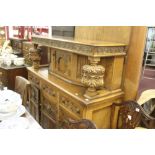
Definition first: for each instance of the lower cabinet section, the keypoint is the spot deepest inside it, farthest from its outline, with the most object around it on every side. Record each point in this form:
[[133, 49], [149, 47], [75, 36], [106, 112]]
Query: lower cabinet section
[[52, 106]]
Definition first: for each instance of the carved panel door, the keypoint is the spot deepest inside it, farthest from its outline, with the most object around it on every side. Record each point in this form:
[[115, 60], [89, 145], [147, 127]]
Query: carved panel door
[[35, 102]]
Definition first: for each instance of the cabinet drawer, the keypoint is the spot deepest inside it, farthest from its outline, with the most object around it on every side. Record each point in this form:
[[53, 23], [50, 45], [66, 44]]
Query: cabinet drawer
[[33, 79], [64, 116], [49, 108], [71, 104], [49, 91], [47, 122]]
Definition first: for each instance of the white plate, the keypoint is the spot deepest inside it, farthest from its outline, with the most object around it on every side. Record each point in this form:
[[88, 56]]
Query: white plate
[[15, 123], [9, 101], [20, 111]]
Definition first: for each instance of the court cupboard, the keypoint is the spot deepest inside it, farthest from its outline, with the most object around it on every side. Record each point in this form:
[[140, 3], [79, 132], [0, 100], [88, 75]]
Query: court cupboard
[[86, 74]]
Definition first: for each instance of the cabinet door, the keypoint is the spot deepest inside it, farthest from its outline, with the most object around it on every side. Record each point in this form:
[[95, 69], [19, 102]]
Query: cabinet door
[[35, 102], [35, 94], [35, 111]]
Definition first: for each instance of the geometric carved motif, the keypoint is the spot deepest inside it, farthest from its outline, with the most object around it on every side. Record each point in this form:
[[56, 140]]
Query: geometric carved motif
[[70, 105]]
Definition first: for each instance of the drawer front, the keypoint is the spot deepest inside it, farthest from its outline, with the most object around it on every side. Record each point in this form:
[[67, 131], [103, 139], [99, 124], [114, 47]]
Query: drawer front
[[49, 108], [49, 91], [71, 104], [47, 122], [64, 116], [33, 79]]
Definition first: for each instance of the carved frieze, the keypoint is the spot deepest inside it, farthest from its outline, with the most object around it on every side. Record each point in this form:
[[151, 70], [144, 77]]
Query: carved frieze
[[110, 50], [80, 48]]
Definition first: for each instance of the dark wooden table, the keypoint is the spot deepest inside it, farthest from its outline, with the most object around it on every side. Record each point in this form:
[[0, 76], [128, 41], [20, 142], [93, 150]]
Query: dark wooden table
[[9, 74]]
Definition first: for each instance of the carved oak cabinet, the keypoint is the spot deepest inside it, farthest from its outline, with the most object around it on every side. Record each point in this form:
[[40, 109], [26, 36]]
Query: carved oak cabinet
[[82, 81]]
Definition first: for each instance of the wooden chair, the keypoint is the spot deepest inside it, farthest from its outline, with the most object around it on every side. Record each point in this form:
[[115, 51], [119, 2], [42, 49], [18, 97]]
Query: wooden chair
[[22, 87], [147, 101], [131, 115], [81, 124]]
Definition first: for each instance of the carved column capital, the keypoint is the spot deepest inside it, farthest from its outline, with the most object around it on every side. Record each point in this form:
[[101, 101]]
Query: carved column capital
[[92, 77]]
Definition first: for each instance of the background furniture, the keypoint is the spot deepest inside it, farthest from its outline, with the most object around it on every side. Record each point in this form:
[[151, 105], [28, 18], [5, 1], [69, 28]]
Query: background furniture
[[2, 35], [26, 46], [44, 53], [9, 74], [22, 86], [17, 45]]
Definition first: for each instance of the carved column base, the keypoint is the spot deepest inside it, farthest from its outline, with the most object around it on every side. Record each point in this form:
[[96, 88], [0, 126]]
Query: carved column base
[[90, 92]]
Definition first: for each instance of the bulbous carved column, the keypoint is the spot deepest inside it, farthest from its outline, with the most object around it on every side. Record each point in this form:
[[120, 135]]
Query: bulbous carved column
[[35, 56], [92, 77]]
